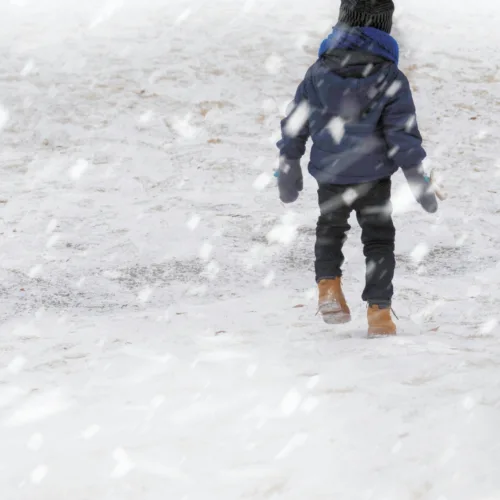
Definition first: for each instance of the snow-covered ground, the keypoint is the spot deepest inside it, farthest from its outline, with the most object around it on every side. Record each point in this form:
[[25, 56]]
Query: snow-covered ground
[[158, 336]]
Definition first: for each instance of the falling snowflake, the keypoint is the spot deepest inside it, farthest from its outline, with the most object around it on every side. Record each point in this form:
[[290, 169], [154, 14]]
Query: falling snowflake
[[91, 431], [9, 394], [35, 271], [268, 279], [17, 364], [28, 68], [39, 473], [206, 250], [183, 17], [52, 240], [184, 128], [397, 447], [4, 117], [393, 88], [297, 441], [273, 64], [297, 119], [39, 407], [291, 402], [336, 127], [80, 282], [350, 196], [312, 382], [410, 123], [212, 270], [249, 4], [262, 181], [193, 222], [105, 13], [268, 105], [146, 117], [285, 232], [198, 291], [468, 403], [368, 69], [489, 326], [124, 464], [393, 151], [419, 252], [144, 294], [77, 170], [51, 226], [402, 199], [371, 266]]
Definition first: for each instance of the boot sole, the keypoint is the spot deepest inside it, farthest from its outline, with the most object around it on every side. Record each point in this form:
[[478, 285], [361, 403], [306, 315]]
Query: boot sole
[[377, 332], [333, 314], [336, 318]]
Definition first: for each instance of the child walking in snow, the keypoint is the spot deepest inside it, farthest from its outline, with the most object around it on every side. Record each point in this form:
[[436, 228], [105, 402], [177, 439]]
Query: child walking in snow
[[357, 107]]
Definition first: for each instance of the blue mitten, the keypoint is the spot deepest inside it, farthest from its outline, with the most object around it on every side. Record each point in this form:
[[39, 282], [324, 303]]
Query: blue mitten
[[290, 180], [421, 188]]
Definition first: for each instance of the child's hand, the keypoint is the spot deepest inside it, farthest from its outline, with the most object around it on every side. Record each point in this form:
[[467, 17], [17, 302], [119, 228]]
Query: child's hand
[[290, 180], [421, 188]]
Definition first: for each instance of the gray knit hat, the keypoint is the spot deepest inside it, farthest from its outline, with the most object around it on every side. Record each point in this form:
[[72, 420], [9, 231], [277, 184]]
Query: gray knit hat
[[364, 13]]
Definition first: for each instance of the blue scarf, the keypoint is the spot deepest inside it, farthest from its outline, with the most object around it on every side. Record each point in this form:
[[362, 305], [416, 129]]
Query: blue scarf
[[368, 39]]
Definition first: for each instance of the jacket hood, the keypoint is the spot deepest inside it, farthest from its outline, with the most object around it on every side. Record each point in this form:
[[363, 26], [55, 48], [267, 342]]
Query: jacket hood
[[366, 39]]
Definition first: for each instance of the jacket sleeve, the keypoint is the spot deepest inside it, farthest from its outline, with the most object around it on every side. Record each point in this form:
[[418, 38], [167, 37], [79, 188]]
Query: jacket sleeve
[[400, 126], [295, 126]]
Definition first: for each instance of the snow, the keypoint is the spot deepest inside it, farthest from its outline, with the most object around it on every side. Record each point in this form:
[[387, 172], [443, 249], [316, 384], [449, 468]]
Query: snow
[[158, 335]]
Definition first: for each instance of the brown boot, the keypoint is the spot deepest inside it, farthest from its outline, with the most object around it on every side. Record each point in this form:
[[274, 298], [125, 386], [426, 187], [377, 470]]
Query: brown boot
[[332, 304], [380, 322]]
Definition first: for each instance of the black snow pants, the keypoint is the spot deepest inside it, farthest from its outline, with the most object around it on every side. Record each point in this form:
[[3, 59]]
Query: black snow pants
[[372, 203]]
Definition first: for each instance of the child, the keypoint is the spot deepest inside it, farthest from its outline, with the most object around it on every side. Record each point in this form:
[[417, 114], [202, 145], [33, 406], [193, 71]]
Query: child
[[357, 107]]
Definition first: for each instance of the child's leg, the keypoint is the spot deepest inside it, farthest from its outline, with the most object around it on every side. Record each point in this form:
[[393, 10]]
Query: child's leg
[[331, 231], [374, 212]]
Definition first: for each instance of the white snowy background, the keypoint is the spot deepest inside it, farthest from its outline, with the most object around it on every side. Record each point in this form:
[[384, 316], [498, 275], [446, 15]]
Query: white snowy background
[[158, 336]]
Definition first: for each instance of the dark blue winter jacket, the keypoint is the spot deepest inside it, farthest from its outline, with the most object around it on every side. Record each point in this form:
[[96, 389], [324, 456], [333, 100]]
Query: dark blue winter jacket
[[357, 107]]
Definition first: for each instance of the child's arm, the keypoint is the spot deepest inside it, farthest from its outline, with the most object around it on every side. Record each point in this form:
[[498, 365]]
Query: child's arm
[[292, 146], [295, 126], [400, 126], [405, 142]]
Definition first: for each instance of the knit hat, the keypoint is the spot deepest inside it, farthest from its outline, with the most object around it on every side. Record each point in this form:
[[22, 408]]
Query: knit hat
[[367, 13]]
